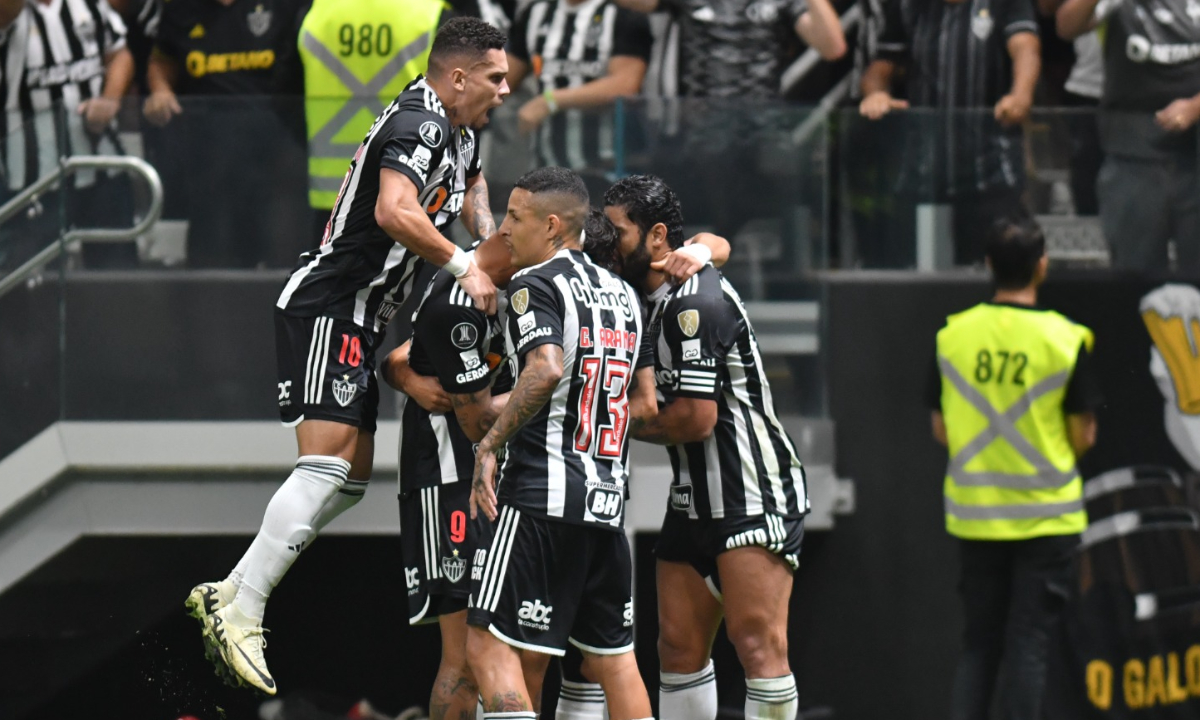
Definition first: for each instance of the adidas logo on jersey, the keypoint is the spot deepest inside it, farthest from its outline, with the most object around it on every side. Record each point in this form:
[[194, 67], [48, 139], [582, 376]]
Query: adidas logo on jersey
[[533, 614]]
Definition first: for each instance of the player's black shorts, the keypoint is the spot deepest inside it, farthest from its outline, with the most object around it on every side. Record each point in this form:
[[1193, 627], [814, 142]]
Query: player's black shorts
[[438, 542], [698, 542], [326, 371], [545, 583]]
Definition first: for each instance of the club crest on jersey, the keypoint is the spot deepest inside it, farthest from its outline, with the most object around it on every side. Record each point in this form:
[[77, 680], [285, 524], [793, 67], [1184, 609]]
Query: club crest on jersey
[[981, 25], [464, 336], [259, 21], [520, 301], [454, 567], [689, 322], [430, 133], [344, 391]]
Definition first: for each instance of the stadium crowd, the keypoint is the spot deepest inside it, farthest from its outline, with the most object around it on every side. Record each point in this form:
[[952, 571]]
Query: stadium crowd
[[947, 90]]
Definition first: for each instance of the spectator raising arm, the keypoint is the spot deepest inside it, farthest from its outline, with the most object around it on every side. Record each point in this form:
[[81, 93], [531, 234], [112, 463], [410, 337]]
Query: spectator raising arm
[[624, 78], [1025, 49], [821, 29]]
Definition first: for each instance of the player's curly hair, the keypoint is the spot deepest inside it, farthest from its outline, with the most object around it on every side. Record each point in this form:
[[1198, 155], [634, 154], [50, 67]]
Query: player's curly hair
[[647, 200], [464, 37], [602, 241]]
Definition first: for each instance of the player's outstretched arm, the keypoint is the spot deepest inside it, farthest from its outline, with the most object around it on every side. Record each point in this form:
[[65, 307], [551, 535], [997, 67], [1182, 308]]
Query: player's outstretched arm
[[476, 412], [683, 420], [399, 214], [477, 215], [535, 385], [697, 251], [821, 28], [424, 389]]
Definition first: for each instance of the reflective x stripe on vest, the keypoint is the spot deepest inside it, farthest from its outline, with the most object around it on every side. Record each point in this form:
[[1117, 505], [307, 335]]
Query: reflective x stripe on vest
[[362, 96], [1003, 425]]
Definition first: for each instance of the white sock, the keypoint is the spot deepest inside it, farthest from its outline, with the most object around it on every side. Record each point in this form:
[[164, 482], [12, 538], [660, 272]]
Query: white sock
[[581, 701], [771, 698], [347, 497], [518, 715], [288, 525], [688, 697]]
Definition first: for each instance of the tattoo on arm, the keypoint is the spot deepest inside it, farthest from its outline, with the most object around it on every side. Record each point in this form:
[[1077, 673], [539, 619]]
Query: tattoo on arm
[[477, 411], [535, 385], [511, 701], [482, 224], [653, 431]]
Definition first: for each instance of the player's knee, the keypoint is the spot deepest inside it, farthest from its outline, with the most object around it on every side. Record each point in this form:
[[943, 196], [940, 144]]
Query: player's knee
[[680, 651], [761, 645]]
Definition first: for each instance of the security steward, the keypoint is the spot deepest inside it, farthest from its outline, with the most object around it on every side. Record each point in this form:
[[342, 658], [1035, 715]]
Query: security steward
[[1013, 396], [358, 55], [225, 81]]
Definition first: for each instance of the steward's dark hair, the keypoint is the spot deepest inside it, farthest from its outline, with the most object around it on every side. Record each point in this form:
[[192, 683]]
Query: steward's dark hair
[[647, 200], [1014, 247]]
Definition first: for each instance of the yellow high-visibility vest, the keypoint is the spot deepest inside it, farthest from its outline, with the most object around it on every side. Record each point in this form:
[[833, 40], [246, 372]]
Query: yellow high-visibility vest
[[358, 55], [1012, 473]]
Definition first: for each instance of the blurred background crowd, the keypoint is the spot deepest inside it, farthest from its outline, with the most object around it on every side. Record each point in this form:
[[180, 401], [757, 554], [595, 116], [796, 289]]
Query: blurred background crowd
[[814, 134]]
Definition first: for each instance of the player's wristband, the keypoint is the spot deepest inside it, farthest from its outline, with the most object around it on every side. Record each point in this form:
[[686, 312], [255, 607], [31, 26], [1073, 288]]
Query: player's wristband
[[551, 103], [698, 251], [458, 264]]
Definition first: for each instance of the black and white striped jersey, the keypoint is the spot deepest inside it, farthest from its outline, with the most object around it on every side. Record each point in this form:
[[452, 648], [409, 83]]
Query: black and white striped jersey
[[569, 462], [359, 273], [567, 46], [706, 349], [53, 60], [464, 349]]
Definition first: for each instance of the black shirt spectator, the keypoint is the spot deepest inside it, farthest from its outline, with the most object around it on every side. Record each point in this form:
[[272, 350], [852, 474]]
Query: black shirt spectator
[[738, 49], [1148, 188], [235, 64]]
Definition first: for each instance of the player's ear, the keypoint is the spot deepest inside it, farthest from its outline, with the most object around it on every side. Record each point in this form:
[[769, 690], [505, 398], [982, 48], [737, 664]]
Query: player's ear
[[458, 77], [656, 237]]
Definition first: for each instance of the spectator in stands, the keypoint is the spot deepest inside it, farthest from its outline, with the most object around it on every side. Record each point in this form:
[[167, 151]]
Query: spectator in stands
[[64, 68], [1148, 187], [1083, 90], [977, 63], [738, 49], [584, 54], [241, 55]]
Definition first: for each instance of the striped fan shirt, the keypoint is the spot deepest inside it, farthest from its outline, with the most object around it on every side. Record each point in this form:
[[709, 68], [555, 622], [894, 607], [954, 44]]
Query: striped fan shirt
[[359, 273], [706, 349], [53, 60], [568, 45], [569, 462]]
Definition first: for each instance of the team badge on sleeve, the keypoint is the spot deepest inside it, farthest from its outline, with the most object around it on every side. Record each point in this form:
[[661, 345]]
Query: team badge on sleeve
[[430, 133], [464, 336], [689, 322], [520, 301]]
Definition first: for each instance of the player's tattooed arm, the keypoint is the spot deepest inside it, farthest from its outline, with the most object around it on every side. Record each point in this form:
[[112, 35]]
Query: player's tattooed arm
[[683, 420], [477, 411], [535, 385], [511, 701], [477, 211], [643, 406]]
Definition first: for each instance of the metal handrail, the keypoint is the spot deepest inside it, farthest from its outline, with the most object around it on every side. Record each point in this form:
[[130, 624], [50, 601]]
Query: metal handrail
[[67, 167]]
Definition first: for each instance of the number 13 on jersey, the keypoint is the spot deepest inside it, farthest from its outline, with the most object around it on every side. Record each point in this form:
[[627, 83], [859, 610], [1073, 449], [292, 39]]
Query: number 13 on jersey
[[607, 378]]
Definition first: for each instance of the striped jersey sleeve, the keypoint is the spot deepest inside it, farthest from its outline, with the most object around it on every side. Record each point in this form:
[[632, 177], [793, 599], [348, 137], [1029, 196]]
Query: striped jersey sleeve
[[412, 143], [698, 329], [455, 337]]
